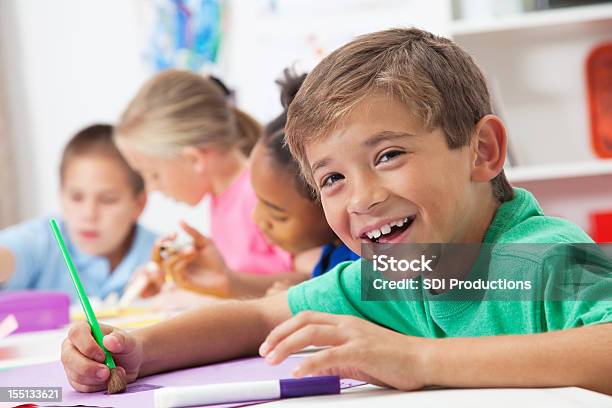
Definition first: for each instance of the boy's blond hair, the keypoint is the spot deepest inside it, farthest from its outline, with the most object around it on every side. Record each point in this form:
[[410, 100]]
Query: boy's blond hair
[[175, 109], [436, 79]]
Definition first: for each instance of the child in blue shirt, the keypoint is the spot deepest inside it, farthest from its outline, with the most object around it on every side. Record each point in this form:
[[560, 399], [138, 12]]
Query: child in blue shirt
[[101, 199]]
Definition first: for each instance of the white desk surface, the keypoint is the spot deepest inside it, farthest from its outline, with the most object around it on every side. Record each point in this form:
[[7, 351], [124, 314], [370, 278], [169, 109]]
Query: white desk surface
[[39, 347], [22, 349], [369, 396]]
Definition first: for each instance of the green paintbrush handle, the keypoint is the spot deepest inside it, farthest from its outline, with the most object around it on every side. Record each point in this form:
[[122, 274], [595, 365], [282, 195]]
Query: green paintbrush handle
[[91, 317]]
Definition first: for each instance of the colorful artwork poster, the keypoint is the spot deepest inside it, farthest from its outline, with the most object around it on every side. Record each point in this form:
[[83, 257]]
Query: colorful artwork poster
[[186, 34]]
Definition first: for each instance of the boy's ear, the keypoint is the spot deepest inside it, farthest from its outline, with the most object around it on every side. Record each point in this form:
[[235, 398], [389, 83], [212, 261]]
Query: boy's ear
[[489, 147], [195, 157], [141, 203]]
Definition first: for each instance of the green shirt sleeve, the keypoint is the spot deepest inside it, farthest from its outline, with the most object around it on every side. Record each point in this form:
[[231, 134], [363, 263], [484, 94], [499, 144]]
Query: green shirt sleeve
[[570, 314], [579, 288]]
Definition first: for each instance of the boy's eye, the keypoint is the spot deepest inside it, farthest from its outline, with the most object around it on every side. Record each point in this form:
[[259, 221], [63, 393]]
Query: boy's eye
[[76, 197], [108, 200], [331, 179], [385, 157]]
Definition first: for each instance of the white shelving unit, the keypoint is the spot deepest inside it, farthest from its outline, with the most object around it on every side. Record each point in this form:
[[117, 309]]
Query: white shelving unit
[[533, 173], [536, 61], [571, 16]]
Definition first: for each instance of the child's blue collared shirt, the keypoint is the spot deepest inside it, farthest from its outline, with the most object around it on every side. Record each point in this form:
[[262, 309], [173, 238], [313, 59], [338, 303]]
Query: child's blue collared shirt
[[39, 264]]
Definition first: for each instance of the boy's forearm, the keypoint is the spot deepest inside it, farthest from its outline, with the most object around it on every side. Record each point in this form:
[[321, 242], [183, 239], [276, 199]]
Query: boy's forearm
[[244, 285], [576, 357], [222, 331]]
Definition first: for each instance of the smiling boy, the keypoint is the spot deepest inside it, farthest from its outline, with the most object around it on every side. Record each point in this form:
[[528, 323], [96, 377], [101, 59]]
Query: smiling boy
[[395, 132]]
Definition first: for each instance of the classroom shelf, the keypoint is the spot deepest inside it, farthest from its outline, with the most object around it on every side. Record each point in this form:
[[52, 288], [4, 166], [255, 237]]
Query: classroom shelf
[[559, 171], [570, 16]]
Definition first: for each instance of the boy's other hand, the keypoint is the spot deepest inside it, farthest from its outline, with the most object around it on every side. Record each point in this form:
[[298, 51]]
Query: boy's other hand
[[357, 349], [83, 359]]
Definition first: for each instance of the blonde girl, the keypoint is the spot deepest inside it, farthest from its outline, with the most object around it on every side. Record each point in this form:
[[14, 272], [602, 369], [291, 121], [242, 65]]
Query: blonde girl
[[188, 141]]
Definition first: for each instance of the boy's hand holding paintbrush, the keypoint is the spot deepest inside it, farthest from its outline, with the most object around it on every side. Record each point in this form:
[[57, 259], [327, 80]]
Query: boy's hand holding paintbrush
[[80, 347], [113, 376]]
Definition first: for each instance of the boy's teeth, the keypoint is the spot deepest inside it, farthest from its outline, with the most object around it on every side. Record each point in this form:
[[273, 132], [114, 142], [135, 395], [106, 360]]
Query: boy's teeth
[[385, 229], [401, 222]]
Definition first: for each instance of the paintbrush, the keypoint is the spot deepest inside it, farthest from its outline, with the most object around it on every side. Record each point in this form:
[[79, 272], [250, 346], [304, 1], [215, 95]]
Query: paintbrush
[[116, 381]]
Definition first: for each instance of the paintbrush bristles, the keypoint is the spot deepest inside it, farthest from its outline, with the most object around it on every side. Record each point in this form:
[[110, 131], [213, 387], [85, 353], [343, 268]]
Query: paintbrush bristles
[[116, 382]]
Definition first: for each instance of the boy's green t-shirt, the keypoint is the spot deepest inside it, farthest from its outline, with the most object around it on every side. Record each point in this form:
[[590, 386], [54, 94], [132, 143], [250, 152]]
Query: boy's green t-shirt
[[520, 220]]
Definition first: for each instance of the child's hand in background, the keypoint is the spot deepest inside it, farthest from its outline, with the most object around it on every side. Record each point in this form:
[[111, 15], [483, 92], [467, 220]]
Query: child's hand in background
[[83, 359], [358, 349], [199, 267], [150, 278], [154, 276]]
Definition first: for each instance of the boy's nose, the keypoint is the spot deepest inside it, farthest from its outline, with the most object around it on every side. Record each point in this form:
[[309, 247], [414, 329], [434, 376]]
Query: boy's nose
[[364, 195], [90, 210]]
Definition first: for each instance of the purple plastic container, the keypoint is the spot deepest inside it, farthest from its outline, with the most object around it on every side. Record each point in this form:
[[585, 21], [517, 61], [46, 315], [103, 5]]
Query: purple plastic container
[[36, 310]]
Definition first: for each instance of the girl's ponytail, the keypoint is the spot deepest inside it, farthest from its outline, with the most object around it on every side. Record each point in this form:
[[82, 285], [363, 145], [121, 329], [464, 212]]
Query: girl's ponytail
[[248, 129]]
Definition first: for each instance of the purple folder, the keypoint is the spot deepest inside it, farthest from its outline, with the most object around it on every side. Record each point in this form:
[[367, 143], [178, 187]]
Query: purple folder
[[140, 393], [36, 310]]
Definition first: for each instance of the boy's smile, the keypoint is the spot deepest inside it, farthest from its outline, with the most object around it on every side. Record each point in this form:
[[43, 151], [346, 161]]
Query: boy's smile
[[384, 179]]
